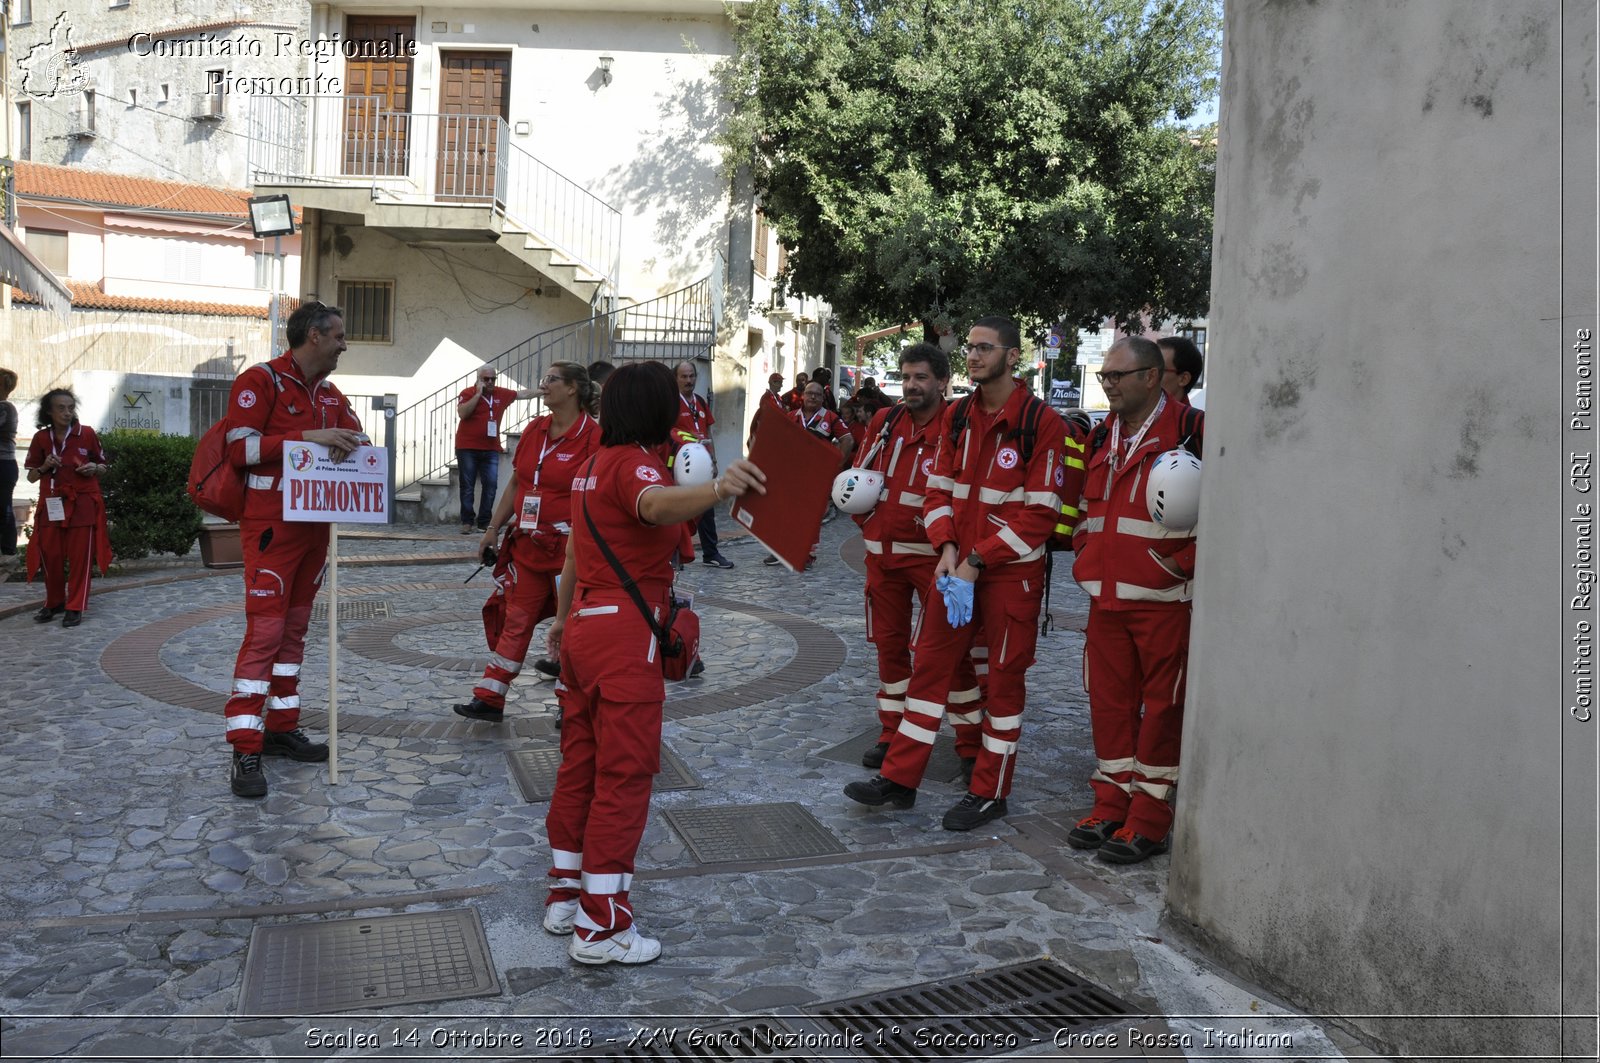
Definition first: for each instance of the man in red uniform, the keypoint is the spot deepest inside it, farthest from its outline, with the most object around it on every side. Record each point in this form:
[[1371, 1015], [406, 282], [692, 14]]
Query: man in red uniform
[[795, 397], [822, 422], [900, 560], [288, 398], [482, 410], [993, 500], [1138, 575], [694, 424]]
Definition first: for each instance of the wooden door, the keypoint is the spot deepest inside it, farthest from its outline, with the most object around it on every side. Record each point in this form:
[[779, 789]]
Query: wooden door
[[377, 87], [473, 100]]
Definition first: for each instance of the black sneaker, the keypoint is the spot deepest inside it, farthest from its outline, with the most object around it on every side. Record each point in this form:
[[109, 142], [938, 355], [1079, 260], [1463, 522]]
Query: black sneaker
[[478, 710], [1092, 832], [48, 613], [294, 745], [246, 777], [771, 559], [548, 668], [974, 811], [873, 758], [717, 562], [698, 668], [1129, 847], [880, 791], [72, 619]]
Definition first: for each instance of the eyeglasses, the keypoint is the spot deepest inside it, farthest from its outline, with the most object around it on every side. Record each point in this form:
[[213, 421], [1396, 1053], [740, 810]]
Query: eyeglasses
[[554, 378], [982, 349], [1114, 376]]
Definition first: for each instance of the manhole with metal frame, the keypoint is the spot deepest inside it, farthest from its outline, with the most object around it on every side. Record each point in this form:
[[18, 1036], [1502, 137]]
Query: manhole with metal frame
[[942, 762], [726, 833], [360, 609], [327, 966], [975, 1016], [534, 768]]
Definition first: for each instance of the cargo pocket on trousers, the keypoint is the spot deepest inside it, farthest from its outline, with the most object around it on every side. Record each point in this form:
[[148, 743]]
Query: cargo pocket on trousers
[[630, 709]]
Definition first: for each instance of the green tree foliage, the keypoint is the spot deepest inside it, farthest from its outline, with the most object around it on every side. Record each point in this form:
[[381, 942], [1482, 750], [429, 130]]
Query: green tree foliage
[[942, 159], [146, 505]]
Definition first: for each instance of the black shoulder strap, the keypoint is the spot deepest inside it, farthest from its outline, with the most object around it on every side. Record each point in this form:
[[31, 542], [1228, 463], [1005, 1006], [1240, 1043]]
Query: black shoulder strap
[[1097, 438], [1033, 413], [958, 422], [663, 636], [1191, 430]]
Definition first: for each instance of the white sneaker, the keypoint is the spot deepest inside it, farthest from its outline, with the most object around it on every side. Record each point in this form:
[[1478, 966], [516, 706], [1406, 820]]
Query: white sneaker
[[558, 916], [630, 946]]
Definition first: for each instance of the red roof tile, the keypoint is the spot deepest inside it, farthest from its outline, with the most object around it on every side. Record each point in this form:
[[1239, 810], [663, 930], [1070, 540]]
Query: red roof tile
[[89, 297], [40, 180]]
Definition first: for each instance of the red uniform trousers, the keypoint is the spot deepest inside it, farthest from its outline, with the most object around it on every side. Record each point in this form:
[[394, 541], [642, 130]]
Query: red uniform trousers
[[1006, 609], [1136, 657], [283, 566], [611, 692], [530, 596], [891, 590], [66, 553]]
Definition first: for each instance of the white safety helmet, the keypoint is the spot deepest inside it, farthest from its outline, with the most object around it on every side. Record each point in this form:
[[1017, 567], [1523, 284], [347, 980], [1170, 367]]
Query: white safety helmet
[[857, 490], [1173, 490], [691, 465]]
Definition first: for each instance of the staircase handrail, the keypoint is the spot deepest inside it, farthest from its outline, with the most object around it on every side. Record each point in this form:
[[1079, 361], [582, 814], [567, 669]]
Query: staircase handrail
[[425, 430]]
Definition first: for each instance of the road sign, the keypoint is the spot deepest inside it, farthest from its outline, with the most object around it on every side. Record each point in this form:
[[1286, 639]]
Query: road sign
[[1053, 341]]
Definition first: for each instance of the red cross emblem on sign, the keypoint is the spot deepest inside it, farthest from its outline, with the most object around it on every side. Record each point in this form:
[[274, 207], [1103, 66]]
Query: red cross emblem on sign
[[371, 460]]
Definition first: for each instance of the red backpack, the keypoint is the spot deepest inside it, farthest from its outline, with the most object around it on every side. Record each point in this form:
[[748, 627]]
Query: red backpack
[[216, 485]]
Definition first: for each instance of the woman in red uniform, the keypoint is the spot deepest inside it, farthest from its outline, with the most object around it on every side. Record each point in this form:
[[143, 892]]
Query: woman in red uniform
[[538, 511], [611, 687], [69, 529]]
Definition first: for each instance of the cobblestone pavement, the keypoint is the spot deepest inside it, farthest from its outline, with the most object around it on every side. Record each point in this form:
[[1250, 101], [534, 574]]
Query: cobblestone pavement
[[132, 880]]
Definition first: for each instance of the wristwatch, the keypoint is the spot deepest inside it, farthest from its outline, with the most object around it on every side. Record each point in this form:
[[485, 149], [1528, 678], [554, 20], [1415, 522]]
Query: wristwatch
[[975, 560]]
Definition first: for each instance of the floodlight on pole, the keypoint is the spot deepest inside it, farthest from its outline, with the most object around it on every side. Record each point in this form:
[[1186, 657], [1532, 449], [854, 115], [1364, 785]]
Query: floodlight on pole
[[273, 216]]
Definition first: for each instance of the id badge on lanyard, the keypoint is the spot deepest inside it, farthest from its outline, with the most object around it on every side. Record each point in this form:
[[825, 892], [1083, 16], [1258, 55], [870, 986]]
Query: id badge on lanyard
[[491, 428], [55, 508], [528, 519]]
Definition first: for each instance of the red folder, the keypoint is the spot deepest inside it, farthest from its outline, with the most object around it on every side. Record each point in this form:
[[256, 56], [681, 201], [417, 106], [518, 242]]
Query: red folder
[[800, 470]]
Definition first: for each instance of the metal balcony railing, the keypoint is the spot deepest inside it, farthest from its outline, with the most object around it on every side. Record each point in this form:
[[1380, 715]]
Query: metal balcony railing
[[442, 159], [679, 326]]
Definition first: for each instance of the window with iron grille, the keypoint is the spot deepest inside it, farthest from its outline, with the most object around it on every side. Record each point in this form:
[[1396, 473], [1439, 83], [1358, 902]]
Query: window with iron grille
[[368, 310]]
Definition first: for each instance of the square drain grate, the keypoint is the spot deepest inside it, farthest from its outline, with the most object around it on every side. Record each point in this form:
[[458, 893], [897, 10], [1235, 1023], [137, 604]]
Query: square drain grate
[[534, 769], [942, 762], [752, 832], [361, 609], [975, 1016], [335, 965]]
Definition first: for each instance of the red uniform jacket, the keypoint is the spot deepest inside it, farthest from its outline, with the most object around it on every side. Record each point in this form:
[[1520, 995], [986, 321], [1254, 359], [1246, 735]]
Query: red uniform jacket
[[824, 423], [1119, 548], [270, 404], [893, 528], [982, 496], [546, 470], [80, 496]]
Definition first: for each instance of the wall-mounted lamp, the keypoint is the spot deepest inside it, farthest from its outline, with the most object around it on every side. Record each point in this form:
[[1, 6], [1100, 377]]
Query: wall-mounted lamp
[[605, 69]]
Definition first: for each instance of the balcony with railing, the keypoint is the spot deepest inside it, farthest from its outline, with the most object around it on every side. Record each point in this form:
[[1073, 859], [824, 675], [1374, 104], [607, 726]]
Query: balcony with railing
[[404, 170]]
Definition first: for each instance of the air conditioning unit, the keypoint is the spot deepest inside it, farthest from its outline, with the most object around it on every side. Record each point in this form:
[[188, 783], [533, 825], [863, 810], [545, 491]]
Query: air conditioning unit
[[208, 107]]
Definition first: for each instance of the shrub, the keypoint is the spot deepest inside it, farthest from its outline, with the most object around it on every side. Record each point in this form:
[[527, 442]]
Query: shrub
[[144, 489]]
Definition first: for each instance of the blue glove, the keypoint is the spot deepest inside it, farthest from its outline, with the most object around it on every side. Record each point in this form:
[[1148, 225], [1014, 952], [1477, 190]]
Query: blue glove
[[957, 599]]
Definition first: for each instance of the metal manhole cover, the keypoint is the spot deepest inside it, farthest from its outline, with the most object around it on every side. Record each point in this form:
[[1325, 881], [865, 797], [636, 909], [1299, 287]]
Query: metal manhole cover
[[975, 1016], [361, 609], [942, 762], [534, 769], [752, 832], [765, 1039], [334, 965]]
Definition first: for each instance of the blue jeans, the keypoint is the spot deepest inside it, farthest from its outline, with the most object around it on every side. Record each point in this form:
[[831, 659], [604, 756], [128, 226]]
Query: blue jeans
[[478, 466], [8, 520]]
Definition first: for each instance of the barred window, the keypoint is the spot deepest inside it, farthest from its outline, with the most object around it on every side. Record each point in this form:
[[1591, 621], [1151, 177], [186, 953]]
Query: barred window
[[368, 310]]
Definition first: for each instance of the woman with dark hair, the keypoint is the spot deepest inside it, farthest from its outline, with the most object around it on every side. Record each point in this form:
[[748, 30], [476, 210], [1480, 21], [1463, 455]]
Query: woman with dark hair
[[8, 462], [69, 529], [611, 682], [537, 509]]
